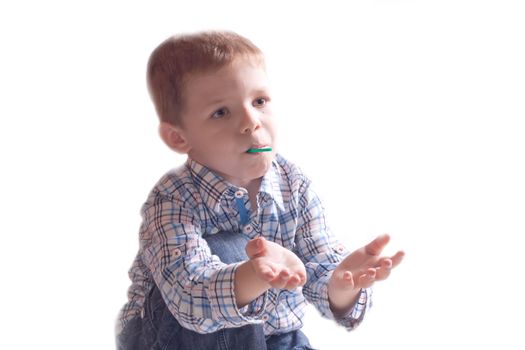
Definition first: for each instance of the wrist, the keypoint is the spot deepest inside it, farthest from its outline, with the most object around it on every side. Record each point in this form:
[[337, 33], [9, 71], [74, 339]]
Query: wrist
[[342, 301], [248, 284]]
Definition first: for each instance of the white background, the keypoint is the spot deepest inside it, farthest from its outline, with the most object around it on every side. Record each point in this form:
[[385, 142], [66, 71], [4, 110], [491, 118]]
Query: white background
[[408, 115]]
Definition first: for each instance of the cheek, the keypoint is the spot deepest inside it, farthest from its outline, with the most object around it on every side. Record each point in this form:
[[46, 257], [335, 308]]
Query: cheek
[[272, 129], [220, 143], [271, 122]]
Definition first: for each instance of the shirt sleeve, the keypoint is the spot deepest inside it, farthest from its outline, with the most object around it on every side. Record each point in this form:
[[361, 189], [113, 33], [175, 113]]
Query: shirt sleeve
[[196, 286], [321, 252]]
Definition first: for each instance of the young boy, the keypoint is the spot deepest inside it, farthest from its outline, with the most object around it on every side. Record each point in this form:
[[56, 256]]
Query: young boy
[[234, 242]]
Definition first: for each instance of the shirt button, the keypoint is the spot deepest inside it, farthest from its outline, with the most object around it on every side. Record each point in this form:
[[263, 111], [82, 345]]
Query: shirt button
[[339, 248], [176, 253], [239, 194], [265, 318], [214, 230], [248, 229]]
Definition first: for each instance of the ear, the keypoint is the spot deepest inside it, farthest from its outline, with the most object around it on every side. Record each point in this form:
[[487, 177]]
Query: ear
[[174, 138]]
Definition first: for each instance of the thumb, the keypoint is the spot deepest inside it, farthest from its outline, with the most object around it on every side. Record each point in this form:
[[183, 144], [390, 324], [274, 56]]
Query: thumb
[[255, 247], [376, 246]]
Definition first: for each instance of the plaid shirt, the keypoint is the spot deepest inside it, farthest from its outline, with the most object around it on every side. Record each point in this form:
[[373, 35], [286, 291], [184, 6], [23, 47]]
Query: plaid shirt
[[192, 201]]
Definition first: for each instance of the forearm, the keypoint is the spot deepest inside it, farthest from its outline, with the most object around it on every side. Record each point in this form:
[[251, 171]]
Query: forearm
[[248, 286]]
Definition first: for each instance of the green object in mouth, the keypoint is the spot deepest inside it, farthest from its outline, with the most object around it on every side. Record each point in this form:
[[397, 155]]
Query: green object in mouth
[[256, 150]]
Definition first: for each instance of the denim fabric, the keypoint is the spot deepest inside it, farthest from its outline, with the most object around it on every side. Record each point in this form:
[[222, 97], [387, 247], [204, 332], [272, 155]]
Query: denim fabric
[[159, 330]]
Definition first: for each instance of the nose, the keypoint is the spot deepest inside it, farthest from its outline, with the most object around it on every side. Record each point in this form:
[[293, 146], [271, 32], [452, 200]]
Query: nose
[[250, 120]]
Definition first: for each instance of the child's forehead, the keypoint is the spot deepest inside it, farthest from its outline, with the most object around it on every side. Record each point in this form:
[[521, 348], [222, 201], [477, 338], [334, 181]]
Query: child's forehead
[[253, 73], [219, 70]]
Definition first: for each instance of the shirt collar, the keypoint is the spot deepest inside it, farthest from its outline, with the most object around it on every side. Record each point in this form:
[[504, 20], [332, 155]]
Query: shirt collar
[[212, 187]]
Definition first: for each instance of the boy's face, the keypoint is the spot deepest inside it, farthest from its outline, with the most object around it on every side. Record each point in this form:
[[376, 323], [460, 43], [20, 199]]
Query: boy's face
[[227, 112]]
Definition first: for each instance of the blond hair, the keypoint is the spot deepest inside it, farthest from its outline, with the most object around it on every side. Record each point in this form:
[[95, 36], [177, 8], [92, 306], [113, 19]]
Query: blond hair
[[175, 59]]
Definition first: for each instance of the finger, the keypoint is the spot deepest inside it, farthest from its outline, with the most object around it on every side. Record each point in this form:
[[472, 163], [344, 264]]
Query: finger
[[268, 273], [255, 247], [365, 280], [376, 246], [293, 282], [343, 280], [382, 273], [302, 278], [386, 263], [282, 279], [277, 283], [383, 262], [397, 258], [348, 280], [285, 274]]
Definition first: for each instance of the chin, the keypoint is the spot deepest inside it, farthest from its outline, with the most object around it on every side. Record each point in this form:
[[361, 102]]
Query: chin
[[261, 172]]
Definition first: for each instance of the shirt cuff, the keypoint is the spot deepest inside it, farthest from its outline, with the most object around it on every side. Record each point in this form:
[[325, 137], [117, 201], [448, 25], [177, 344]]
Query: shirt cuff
[[221, 293], [255, 309], [355, 316]]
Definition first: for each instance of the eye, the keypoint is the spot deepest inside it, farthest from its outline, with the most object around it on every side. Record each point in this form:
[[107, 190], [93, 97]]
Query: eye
[[220, 113], [261, 101]]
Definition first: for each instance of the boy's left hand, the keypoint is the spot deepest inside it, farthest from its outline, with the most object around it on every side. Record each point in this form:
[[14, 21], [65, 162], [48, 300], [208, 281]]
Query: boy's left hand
[[359, 270]]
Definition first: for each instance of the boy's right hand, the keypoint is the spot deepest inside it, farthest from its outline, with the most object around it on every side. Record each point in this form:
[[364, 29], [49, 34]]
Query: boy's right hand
[[275, 264]]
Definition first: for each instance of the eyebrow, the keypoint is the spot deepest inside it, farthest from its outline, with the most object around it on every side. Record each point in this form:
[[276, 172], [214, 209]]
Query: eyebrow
[[258, 91], [263, 91], [215, 102]]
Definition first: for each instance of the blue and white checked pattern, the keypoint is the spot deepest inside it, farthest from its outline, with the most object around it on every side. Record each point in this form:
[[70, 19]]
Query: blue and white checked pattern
[[192, 201]]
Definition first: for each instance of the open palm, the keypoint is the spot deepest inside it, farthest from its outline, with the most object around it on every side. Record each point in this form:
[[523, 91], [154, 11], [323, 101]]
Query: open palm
[[359, 270]]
